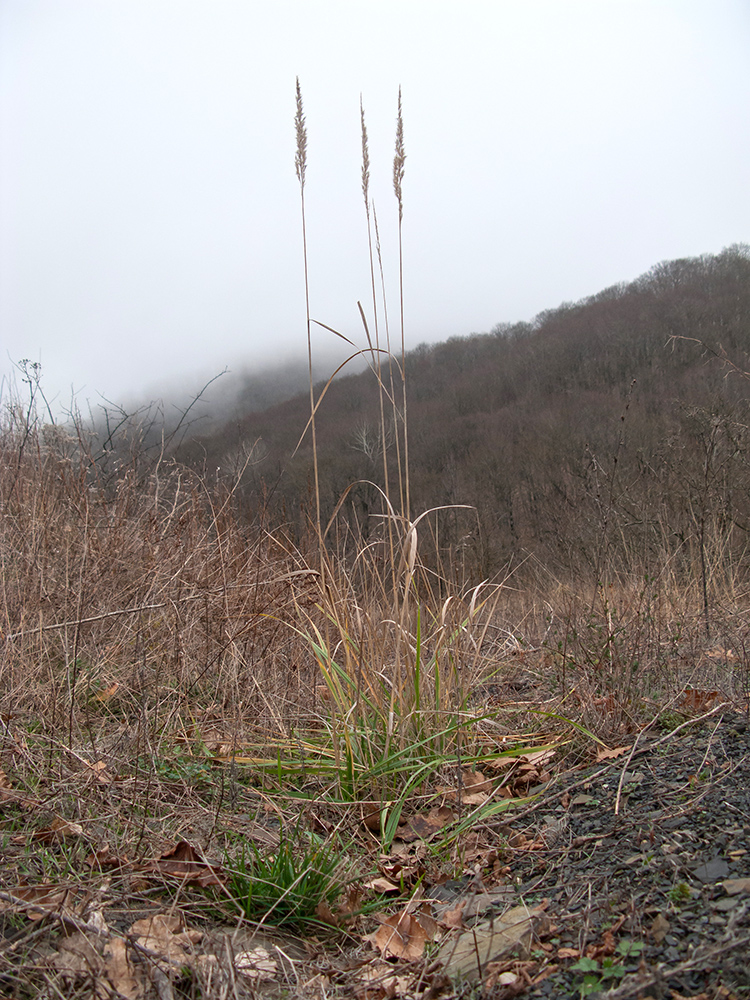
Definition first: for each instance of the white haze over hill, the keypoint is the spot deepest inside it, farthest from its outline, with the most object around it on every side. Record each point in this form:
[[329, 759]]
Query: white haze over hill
[[233, 393], [149, 212]]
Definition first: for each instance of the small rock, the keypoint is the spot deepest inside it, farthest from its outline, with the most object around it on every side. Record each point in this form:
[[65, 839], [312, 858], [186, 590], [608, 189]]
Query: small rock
[[468, 953], [725, 905], [712, 870], [659, 928], [734, 886]]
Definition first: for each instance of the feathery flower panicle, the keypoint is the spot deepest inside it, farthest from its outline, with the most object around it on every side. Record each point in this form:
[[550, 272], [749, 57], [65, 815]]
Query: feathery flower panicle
[[365, 158], [399, 159], [300, 158]]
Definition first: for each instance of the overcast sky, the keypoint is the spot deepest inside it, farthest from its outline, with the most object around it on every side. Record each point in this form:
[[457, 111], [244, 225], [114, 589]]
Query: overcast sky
[[150, 214]]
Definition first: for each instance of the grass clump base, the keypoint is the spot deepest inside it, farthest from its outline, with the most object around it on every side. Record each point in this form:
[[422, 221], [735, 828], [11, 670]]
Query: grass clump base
[[287, 886]]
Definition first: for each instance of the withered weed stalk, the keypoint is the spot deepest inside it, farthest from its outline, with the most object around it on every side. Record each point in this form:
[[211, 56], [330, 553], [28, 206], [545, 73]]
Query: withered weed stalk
[[398, 652]]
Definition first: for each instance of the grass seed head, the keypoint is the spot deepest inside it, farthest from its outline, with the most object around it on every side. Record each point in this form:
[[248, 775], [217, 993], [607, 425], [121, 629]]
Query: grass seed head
[[365, 158], [399, 159], [300, 158]]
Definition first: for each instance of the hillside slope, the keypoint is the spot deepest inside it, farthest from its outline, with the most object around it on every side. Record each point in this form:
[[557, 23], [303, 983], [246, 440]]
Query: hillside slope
[[608, 431]]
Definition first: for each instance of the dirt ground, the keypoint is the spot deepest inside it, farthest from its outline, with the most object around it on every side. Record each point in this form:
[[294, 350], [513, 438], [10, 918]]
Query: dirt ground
[[628, 877]]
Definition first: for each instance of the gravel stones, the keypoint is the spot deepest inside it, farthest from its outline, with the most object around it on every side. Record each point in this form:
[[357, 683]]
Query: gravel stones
[[675, 855]]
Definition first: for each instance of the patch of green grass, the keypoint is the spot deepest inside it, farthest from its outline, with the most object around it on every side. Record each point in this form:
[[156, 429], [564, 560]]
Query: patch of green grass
[[287, 885], [190, 770], [668, 721], [53, 863], [679, 893]]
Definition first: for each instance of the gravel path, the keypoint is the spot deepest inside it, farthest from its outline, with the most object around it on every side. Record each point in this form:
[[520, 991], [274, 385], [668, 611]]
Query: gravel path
[[650, 849]]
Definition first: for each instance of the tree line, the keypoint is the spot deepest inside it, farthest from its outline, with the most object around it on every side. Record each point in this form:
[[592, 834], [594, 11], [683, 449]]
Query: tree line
[[608, 436]]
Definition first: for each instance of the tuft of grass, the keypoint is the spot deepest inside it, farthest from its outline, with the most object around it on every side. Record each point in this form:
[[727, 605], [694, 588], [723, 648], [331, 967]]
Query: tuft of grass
[[286, 886]]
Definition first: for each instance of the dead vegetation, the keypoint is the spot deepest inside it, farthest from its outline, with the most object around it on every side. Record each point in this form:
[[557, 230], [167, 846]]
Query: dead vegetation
[[233, 763]]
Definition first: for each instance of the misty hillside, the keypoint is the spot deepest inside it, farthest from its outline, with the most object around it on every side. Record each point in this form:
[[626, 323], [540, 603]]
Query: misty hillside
[[267, 385], [611, 428]]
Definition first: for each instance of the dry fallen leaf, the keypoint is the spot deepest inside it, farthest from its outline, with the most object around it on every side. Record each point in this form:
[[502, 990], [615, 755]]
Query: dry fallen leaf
[[77, 957], [120, 972], [611, 754], [101, 773], [165, 935], [349, 904], [474, 799], [325, 914], [527, 775], [429, 924], [604, 949], [59, 829], [107, 694], [423, 827], [256, 965], [346, 908], [582, 799], [104, 960], [499, 763], [538, 757], [371, 818], [400, 936], [697, 701], [378, 980], [403, 865], [381, 885], [466, 793], [42, 899], [659, 928], [187, 864], [475, 781], [454, 918]]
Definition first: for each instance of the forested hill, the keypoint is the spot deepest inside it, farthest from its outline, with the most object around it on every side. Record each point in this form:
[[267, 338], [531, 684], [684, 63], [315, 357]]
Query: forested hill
[[614, 426]]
